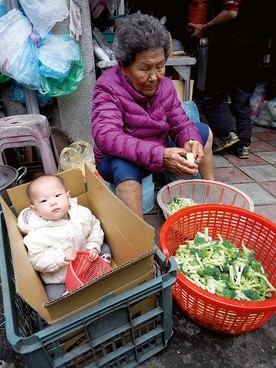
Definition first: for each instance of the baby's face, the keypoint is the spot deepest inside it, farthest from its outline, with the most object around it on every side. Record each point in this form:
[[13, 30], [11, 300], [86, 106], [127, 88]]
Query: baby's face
[[50, 199]]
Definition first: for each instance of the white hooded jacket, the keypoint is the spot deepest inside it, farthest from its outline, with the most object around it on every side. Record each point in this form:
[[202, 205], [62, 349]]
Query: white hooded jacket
[[46, 240]]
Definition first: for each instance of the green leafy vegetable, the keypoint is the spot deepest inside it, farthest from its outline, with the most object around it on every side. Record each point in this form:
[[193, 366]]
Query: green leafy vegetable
[[179, 203], [221, 268]]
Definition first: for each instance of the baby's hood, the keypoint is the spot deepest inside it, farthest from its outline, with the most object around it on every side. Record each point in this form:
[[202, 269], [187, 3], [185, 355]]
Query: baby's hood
[[28, 220]]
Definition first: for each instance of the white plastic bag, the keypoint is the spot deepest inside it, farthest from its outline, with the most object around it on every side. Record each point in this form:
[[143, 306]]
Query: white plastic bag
[[267, 117], [44, 14], [18, 56], [258, 101], [76, 156]]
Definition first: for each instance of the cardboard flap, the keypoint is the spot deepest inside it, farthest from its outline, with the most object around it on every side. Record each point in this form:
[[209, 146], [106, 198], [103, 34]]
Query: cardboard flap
[[118, 221], [86, 296], [28, 283]]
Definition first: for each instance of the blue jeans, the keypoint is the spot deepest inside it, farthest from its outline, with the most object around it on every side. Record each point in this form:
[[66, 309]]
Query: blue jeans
[[116, 170]]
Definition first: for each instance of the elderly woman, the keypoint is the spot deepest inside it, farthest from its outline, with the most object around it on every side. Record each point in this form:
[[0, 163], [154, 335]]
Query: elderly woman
[[138, 123]]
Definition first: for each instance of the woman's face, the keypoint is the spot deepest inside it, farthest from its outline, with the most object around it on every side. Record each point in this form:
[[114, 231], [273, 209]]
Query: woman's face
[[147, 71]]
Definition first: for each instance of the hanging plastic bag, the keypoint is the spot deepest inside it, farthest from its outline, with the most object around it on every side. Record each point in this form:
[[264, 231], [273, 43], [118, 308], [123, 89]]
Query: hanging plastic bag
[[45, 14], [56, 53], [258, 101], [267, 116], [76, 156], [53, 88], [4, 78], [17, 94], [2, 8], [191, 110], [18, 56]]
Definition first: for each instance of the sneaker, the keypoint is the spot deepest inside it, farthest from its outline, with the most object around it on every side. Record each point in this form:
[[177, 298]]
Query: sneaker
[[225, 142], [106, 257], [243, 152]]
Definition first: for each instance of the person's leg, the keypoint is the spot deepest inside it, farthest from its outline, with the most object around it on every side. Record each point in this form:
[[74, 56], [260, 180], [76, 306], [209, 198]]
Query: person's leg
[[217, 113], [206, 164], [240, 97], [130, 193], [215, 105], [127, 178]]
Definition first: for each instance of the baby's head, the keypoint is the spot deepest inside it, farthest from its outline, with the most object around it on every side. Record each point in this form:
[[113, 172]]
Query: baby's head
[[49, 198]]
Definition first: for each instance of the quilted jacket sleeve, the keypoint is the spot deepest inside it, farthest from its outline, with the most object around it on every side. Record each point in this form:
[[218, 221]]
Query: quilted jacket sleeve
[[109, 133]]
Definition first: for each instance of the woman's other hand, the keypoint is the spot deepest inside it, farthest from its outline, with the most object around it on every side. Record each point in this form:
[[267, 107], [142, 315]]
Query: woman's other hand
[[196, 148], [175, 161]]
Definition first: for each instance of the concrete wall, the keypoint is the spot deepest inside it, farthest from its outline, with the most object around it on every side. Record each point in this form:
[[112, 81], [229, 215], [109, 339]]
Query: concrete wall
[[75, 108]]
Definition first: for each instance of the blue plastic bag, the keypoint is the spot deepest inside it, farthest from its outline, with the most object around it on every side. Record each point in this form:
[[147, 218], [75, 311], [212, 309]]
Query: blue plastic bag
[[191, 110], [56, 54], [53, 88], [17, 94], [2, 8]]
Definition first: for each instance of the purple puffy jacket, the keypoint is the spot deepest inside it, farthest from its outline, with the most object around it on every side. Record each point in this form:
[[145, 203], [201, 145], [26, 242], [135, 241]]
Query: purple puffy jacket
[[131, 126]]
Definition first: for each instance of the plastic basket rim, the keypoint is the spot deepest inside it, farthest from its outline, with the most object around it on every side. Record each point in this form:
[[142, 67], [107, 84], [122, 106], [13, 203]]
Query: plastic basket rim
[[242, 306], [175, 183]]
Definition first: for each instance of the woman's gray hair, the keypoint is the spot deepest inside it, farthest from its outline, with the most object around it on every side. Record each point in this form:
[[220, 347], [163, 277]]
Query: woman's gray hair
[[137, 33]]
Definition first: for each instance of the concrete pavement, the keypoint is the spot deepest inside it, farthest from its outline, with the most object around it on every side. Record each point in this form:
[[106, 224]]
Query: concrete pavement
[[192, 346]]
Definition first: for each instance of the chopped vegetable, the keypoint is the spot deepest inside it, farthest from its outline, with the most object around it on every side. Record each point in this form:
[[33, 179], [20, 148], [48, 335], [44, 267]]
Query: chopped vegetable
[[221, 268], [180, 203], [190, 157]]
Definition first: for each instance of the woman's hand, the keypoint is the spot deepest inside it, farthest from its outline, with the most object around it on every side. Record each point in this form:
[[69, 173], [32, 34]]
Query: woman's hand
[[175, 161], [196, 148]]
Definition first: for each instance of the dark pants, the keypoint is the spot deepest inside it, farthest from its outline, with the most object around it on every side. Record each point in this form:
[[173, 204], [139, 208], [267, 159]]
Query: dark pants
[[219, 113], [231, 72]]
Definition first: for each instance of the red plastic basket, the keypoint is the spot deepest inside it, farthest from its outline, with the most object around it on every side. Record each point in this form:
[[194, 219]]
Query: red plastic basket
[[82, 270], [235, 224]]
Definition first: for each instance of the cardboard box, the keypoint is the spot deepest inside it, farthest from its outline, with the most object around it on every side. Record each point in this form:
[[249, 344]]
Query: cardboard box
[[180, 89], [131, 240]]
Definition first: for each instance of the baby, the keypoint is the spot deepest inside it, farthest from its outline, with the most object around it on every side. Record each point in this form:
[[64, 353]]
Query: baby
[[55, 228]]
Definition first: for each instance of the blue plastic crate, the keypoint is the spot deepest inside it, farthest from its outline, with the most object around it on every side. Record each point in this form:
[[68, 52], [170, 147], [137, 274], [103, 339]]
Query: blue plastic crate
[[120, 332]]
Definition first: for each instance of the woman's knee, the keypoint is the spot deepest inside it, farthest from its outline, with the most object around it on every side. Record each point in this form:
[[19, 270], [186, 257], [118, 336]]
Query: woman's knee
[[209, 142]]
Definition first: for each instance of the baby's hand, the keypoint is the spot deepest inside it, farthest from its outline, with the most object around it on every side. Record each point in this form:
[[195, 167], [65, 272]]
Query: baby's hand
[[93, 254], [70, 254]]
